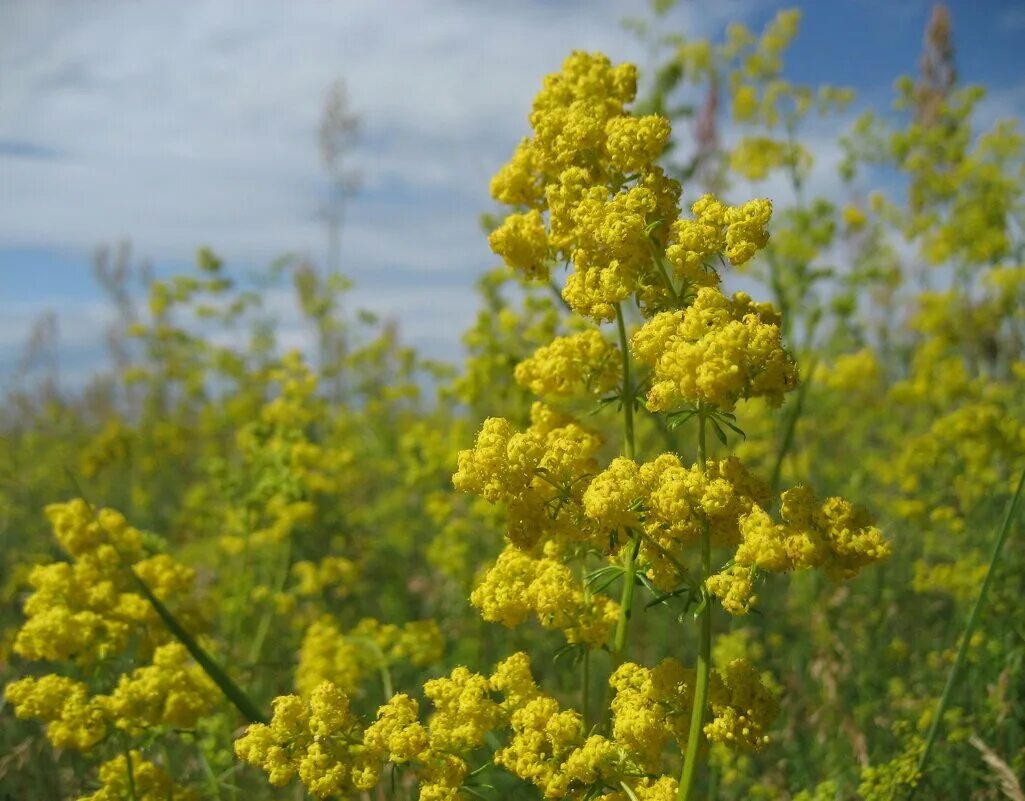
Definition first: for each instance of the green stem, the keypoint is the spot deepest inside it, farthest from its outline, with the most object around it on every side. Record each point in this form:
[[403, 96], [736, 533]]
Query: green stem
[[779, 292], [790, 427], [131, 772], [656, 259], [585, 666], [558, 296], [697, 717], [280, 578], [585, 690], [681, 571], [626, 600], [217, 674], [973, 619], [630, 552], [386, 684], [214, 785], [628, 396]]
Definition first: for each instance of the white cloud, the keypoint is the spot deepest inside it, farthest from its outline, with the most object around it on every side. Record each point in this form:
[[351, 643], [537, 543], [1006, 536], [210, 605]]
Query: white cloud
[[180, 123], [189, 123]]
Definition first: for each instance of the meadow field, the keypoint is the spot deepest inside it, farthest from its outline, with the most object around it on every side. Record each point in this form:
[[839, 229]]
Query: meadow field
[[722, 502]]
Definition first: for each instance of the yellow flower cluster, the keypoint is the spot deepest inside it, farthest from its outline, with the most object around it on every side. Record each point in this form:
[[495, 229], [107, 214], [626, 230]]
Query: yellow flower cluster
[[548, 749], [612, 257], [590, 166], [672, 504], [716, 352], [568, 365], [736, 231], [319, 741], [895, 778], [74, 719], [323, 743], [834, 536], [88, 610], [344, 658], [398, 736], [132, 777], [734, 586], [634, 143], [515, 681], [464, 710], [572, 111], [519, 585], [522, 243], [538, 474], [742, 707], [652, 707], [172, 691], [611, 498]]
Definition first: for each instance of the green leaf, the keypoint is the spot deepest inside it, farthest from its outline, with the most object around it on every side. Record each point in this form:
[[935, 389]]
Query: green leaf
[[607, 583], [571, 650], [719, 433], [734, 428], [597, 574], [677, 419]]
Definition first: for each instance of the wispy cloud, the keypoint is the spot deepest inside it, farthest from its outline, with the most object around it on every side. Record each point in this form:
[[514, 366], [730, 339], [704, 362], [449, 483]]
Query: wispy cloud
[[181, 124], [195, 122]]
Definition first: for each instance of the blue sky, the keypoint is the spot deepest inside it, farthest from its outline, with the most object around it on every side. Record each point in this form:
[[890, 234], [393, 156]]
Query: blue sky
[[180, 124]]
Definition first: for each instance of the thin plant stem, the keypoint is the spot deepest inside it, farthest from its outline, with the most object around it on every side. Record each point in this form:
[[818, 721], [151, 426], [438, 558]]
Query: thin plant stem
[[966, 636], [214, 784], [630, 552], [656, 259], [217, 674], [790, 427], [681, 571], [558, 295], [585, 689], [626, 600], [585, 662], [131, 772], [697, 717], [382, 665], [224, 682], [627, 396], [263, 627]]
